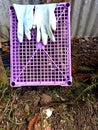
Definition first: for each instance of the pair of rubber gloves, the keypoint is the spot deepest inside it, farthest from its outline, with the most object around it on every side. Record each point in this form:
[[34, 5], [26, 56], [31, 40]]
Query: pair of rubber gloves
[[43, 18]]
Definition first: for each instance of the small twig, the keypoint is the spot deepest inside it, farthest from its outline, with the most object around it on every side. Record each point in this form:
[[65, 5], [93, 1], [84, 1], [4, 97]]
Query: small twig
[[57, 103], [85, 90], [16, 123], [7, 106], [5, 110], [3, 94], [11, 106]]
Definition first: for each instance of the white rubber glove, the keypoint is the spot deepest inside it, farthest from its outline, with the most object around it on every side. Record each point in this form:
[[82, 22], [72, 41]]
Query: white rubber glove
[[45, 21], [20, 13], [24, 15]]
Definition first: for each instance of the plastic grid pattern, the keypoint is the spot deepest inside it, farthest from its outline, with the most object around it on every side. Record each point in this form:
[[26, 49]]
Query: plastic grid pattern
[[33, 64]]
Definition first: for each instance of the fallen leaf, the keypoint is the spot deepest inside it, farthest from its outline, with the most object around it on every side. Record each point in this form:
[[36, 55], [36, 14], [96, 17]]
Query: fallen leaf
[[27, 108], [45, 99]]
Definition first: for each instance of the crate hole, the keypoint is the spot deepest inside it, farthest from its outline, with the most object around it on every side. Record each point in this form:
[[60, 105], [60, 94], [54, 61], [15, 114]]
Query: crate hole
[[69, 83], [13, 83]]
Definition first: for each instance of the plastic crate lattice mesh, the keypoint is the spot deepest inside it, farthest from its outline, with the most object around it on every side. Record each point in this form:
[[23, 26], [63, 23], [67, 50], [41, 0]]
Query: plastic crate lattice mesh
[[35, 64]]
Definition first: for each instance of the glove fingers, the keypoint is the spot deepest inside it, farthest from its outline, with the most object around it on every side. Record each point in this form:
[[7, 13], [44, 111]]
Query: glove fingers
[[28, 34], [38, 34], [50, 34], [20, 32], [52, 22], [44, 35]]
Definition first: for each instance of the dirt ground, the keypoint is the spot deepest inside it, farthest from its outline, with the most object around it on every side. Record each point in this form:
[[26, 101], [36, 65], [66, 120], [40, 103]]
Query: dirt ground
[[73, 108]]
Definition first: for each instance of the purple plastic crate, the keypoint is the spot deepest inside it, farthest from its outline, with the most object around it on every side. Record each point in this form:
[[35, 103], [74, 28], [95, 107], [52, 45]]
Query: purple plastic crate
[[33, 64]]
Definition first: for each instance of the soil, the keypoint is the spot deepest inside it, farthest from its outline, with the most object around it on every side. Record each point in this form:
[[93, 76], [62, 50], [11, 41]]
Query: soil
[[73, 108]]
